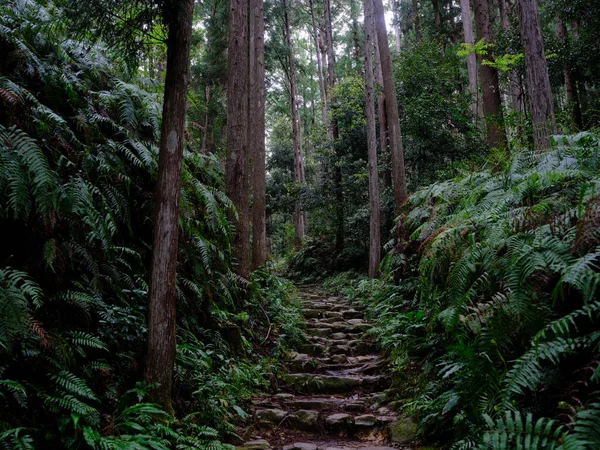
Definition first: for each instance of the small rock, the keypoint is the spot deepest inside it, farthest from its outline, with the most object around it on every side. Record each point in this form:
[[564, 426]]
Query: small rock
[[383, 411], [355, 321], [403, 430], [300, 446], [274, 416], [284, 395], [339, 420], [354, 406], [376, 448], [305, 418], [258, 444], [338, 336], [366, 420], [378, 397], [339, 359], [322, 332], [340, 350]]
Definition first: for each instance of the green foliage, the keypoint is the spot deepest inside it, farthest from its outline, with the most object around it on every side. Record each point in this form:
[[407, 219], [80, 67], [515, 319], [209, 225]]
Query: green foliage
[[496, 304], [78, 161]]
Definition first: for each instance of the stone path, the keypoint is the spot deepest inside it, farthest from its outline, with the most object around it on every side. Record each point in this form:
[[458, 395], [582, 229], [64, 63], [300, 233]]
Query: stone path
[[333, 397]]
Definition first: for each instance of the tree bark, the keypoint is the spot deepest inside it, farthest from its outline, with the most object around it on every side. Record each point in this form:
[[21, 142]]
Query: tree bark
[[161, 341], [383, 131], [391, 107], [236, 170], [471, 58], [298, 170], [396, 24], [514, 81], [374, 216], [416, 24], [570, 85], [256, 118], [333, 134], [538, 81], [489, 79], [319, 67]]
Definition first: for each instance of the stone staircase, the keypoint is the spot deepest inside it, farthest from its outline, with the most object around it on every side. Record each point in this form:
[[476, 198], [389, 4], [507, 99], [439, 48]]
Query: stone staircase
[[333, 397]]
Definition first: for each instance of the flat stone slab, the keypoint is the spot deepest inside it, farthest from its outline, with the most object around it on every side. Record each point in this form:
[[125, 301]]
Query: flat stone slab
[[339, 420], [257, 444], [338, 336], [305, 419], [300, 446], [366, 420], [273, 416]]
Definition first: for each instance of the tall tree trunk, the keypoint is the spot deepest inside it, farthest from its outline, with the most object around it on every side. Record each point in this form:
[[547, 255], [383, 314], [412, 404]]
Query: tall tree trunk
[[514, 80], [416, 24], [383, 131], [160, 353], [488, 77], [236, 170], [570, 85], [396, 25], [319, 67], [437, 15], [538, 81], [391, 107], [333, 134], [204, 148], [374, 216], [471, 58], [298, 170], [256, 118]]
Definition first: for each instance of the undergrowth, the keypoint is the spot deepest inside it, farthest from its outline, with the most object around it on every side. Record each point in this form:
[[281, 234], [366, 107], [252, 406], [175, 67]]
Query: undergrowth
[[488, 305], [78, 162]]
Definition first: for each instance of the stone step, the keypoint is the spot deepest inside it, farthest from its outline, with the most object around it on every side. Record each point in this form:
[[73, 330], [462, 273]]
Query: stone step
[[312, 383], [314, 420]]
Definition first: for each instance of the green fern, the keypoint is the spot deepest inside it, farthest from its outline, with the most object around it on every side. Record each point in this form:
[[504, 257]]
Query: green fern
[[516, 432]]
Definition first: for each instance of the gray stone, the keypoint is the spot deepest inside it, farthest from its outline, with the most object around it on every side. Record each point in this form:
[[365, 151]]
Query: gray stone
[[300, 446], [340, 350], [284, 395], [366, 420], [376, 448], [305, 418], [312, 313], [274, 416], [378, 397], [403, 430], [339, 420], [257, 444], [337, 336], [354, 406], [355, 321], [323, 332], [339, 359]]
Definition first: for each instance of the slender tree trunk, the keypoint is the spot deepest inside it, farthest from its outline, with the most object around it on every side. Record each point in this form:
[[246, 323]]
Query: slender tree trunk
[[514, 81], [471, 58], [437, 15], [374, 219], [319, 67], [256, 118], [383, 131], [333, 134], [298, 217], [570, 85], [489, 79], [396, 24], [391, 107], [416, 24], [204, 149], [236, 171], [160, 353], [538, 81]]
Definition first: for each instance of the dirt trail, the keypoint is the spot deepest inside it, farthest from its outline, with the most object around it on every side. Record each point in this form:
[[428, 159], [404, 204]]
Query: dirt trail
[[334, 394]]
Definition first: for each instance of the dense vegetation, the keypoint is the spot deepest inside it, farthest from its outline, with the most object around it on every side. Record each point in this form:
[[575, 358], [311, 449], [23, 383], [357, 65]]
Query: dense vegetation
[[78, 161], [486, 300], [489, 308]]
